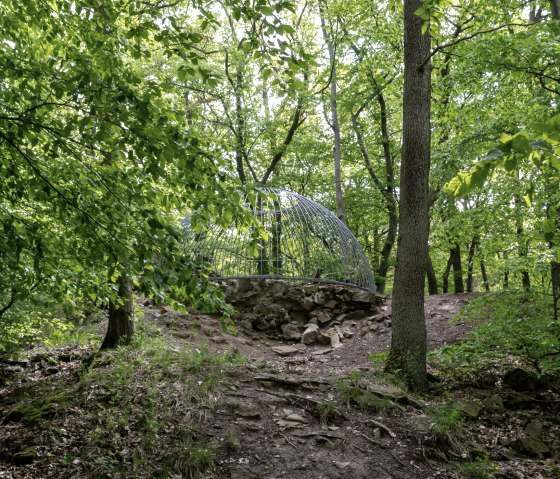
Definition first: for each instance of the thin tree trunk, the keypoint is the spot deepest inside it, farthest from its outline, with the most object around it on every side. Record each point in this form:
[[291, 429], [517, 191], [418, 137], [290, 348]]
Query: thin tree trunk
[[506, 271], [334, 124], [384, 261], [121, 316], [555, 271], [457, 270], [445, 277], [432, 279], [470, 264], [407, 356], [523, 247], [484, 274]]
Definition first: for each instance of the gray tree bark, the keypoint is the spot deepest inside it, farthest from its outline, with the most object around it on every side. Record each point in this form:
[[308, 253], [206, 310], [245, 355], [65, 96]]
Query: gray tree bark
[[408, 345], [121, 317], [334, 124]]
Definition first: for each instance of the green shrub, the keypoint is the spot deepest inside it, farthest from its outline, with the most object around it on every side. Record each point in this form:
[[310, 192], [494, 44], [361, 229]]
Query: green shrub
[[479, 468], [513, 326]]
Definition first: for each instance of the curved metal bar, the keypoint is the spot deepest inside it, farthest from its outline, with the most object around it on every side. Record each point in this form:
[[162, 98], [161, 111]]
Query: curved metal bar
[[306, 243]]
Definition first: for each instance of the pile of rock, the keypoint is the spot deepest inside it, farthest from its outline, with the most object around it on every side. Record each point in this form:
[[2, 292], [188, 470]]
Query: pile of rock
[[310, 313]]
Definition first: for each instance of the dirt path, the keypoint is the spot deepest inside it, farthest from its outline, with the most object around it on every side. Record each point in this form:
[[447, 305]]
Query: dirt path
[[289, 411]]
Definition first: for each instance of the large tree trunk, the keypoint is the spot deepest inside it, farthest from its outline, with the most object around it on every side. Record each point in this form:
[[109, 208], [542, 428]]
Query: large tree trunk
[[555, 9], [334, 124], [432, 279], [407, 356], [121, 317]]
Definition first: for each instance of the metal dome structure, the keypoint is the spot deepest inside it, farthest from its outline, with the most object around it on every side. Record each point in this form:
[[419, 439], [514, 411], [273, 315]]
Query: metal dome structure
[[304, 242]]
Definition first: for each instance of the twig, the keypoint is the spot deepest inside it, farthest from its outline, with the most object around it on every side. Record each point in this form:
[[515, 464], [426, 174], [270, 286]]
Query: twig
[[382, 426], [288, 440], [365, 451], [373, 441], [398, 460]]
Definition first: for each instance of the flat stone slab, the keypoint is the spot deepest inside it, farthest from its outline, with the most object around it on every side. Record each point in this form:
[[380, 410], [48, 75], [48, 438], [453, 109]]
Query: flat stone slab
[[285, 350]]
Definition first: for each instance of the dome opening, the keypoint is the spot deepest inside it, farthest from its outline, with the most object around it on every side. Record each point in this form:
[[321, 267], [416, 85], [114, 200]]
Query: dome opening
[[305, 242]]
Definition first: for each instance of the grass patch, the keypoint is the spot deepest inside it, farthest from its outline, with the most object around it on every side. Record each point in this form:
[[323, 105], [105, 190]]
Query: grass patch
[[155, 397], [479, 468]]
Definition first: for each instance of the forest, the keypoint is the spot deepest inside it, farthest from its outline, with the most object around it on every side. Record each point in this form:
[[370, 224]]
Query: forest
[[429, 128]]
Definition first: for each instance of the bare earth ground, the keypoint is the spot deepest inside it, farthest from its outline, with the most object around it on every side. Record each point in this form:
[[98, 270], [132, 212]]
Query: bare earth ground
[[279, 415]]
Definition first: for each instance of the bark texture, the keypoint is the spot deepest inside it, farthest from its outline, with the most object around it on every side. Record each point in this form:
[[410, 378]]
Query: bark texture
[[408, 343], [121, 317], [432, 279], [333, 122]]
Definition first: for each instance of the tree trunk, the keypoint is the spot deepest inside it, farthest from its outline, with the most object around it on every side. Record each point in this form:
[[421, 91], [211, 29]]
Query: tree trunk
[[121, 317], [445, 277], [381, 277], [457, 269], [555, 9], [506, 271], [407, 356], [555, 271], [334, 124], [470, 264], [432, 279], [485, 281], [523, 246]]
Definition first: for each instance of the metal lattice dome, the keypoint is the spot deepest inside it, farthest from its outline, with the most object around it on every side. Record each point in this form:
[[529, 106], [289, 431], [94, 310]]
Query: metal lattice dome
[[305, 242]]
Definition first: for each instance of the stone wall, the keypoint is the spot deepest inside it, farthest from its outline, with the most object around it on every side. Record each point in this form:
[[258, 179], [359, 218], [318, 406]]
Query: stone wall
[[311, 313]]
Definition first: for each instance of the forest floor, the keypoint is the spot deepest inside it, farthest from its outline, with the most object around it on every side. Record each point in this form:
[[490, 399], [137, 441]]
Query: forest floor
[[265, 409]]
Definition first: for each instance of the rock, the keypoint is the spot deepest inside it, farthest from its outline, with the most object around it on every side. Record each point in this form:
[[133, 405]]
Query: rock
[[520, 380], [494, 403], [285, 350], [388, 323], [319, 299], [27, 456], [341, 465], [246, 410], [218, 339], [469, 409], [334, 338], [239, 472], [310, 335], [368, 328], [307, 304], [285, 424], [534, 428], [291, 332], [347, 333], [364, 297], [297, 418], [331, 304], [532, 446], [320, 352], [321, 316]]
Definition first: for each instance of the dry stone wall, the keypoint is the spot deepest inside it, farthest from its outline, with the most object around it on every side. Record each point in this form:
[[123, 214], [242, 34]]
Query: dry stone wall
[[310, 313]]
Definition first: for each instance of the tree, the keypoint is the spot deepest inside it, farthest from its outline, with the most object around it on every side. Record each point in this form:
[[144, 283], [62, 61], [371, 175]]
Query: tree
[[91, 150], [408, 343]]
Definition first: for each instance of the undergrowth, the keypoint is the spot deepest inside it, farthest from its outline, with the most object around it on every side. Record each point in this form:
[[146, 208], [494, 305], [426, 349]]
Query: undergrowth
[[512, 327], [139, 411]]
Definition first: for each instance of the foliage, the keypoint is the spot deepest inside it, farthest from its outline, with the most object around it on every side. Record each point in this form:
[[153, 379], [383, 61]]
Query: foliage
[[130, 399], [479, 468], [443, 420], [352, 390], [509, 327]]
